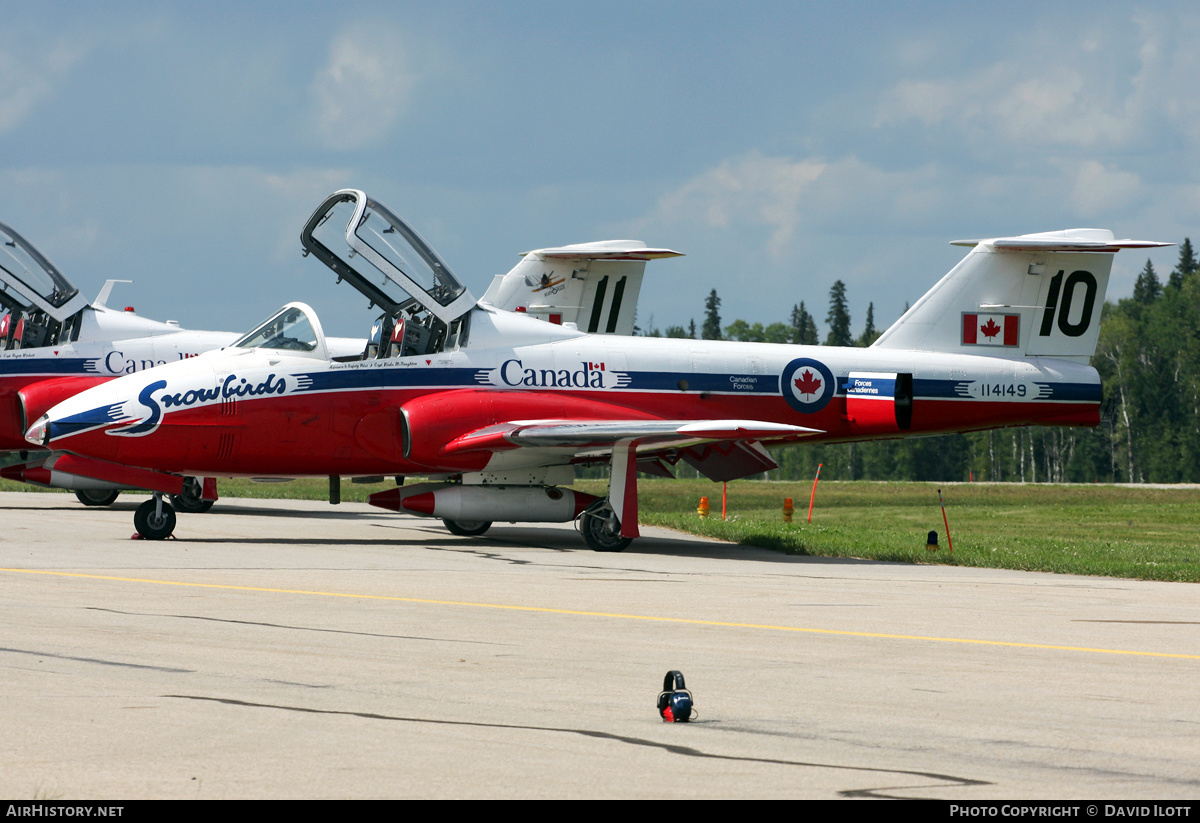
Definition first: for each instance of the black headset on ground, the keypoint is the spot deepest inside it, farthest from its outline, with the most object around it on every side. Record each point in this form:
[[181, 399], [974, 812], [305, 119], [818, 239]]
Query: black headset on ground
[[675, 701]]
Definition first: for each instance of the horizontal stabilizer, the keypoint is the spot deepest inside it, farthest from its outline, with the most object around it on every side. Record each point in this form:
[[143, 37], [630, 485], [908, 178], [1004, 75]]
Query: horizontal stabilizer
[[605, 250], [1097, 240]]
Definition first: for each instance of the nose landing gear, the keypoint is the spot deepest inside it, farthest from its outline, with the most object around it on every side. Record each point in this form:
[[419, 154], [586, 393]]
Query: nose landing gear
[[154, 519]]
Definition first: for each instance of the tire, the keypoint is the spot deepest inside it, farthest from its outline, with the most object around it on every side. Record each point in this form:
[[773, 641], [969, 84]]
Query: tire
[[189, 500], [149, 525], [467, 528], [97, 497], [602, 531]]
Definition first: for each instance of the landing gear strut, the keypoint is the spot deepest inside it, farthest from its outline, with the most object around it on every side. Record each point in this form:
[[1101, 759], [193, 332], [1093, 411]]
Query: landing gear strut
[[601, 529], [154, 519], [601, 524]]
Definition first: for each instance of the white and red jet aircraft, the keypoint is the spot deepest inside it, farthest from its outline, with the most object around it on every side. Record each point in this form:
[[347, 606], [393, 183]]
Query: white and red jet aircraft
[[53, 343], [497, 407]]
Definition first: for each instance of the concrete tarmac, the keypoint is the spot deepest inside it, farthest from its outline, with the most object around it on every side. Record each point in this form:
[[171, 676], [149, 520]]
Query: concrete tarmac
[[296, 649]]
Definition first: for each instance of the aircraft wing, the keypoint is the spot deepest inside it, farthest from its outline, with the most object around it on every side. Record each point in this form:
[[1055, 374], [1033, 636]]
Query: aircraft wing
[[721, 450], [581, 434]]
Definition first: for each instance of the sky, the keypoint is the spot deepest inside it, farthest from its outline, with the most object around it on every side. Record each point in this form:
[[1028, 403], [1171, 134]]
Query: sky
[[779, 145]]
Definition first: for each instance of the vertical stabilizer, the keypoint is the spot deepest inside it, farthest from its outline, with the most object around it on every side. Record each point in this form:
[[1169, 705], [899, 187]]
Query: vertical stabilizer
[[1032, 295], [592, 285]]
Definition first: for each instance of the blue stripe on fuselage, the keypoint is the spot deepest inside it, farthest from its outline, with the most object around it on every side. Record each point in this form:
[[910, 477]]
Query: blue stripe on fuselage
[[43, 365], [90, 419], [464, 378]]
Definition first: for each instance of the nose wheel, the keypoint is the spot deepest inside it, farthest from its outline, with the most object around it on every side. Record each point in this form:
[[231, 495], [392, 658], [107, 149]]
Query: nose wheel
[[154, 519]]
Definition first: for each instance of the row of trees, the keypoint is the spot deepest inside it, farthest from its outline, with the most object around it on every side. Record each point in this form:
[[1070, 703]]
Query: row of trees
[[800, 329], [1148, 358]]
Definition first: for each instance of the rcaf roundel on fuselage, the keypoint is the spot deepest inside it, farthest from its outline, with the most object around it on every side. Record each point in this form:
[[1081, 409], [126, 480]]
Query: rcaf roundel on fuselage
[[807, 385]]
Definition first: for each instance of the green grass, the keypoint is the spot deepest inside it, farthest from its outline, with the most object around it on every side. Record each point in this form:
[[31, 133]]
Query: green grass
[[1117, 531]]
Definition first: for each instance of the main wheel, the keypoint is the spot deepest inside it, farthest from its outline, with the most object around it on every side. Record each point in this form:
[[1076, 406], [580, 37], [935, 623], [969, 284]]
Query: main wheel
[[189, 500], [150, 524], [467, 528], [96, 497], [602, 530]]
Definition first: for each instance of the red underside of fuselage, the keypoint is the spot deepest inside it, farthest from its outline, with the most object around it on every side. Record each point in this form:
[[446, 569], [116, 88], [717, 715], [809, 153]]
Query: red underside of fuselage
[[324, 434]]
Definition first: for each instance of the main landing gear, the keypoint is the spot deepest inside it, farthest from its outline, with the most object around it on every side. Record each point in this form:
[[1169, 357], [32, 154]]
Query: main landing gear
[[154, 519], [190, 500], [96, 497], [610, 525], [467, 528], [606, 524], [601, 529]]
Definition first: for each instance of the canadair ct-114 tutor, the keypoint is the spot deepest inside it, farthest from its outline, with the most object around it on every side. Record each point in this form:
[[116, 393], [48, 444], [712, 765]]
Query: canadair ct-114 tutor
[[498, 407], [53, 344]]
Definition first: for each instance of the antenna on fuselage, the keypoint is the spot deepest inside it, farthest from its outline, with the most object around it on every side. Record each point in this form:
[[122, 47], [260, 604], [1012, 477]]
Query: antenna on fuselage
[[105, 291]]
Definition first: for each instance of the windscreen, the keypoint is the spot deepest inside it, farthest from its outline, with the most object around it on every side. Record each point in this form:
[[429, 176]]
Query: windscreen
[[289, 330]]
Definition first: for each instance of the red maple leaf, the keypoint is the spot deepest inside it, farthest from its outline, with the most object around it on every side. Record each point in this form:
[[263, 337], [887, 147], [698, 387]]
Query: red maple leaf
[[991, 329], [807, 384]]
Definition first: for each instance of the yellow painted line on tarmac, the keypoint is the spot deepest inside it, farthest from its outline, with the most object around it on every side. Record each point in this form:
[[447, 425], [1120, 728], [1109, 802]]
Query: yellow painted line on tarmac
[[613, 615]]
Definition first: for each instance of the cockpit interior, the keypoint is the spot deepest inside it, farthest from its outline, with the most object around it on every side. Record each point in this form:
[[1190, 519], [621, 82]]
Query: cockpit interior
[[39, 306]]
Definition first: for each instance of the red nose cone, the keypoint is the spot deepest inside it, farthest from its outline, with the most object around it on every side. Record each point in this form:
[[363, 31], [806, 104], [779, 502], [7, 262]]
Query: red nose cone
[[26, 473], [419, 503], [389, 499]]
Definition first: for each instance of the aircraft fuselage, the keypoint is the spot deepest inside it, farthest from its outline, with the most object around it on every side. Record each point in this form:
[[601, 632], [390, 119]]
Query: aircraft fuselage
[[273, 413]]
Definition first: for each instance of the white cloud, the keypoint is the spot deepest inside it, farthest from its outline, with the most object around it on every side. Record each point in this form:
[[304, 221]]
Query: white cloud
[[789, 197], [363, 88], [1098, 190], [784, 228], [753, 189], [1117, 83], [27, 79], [1016, 101]]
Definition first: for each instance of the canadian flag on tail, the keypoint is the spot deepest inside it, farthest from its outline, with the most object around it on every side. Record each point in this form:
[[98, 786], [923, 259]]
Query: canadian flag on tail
[[991, 329]]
